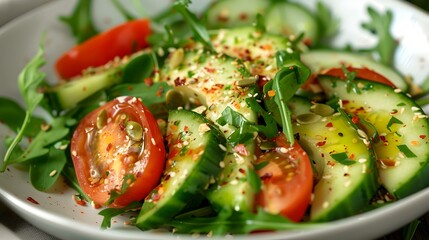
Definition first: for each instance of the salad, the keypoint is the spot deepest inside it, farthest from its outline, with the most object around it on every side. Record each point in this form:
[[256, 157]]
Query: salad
[[247, 123]]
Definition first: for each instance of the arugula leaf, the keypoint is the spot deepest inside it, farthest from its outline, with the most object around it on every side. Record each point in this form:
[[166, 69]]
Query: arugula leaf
[[380, 25], [152, 96], [69, 174], [245, 129], [138, 69], [29, 81], [270, 129], [41, 144], [110, 213], [45, 171], [286, 82], [238, 223], [80, 21], [199, 30], [12, 115]]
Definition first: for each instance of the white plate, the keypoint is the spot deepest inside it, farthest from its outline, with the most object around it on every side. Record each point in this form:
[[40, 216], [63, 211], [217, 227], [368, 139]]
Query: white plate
[[58, 214]]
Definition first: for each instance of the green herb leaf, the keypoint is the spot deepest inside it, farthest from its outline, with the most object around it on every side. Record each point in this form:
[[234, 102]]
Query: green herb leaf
[[328, 24], [114, 194], [199, 31], [350, 80], [286, 82], [393, 120], [110, 213], [80, 21], [405, 150], [270, 129], [125, 13], [45, 171], [238, 223], [380, 24], [12, 115], [29, 81], [244, 131], [409, 230], [41, 144], [69, 174], [153, 96], [342, 158], [254, 180], [138, 69], [260, 23]]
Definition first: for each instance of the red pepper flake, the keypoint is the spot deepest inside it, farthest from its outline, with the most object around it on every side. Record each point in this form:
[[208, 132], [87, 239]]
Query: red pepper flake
[[329, 125], [355, 119], [79, 200], [179, 82], [242, 170], [243, 16], [267, 176], [383, 138], [148, 81], [345, 102], [30, 199], [422, 136], [320, 144], [109, 146]]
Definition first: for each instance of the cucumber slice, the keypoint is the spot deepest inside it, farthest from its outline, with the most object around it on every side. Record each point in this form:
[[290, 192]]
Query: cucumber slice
[[403, 149], [194, 157], [214, 81], [234, 13], [341, 190], [257, 49], [71, 93], [288, 18], [319, 60]]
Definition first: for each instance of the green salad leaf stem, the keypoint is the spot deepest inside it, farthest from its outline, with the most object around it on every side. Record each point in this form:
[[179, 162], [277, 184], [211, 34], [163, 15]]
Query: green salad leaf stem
[[29, 81], [80, 21]]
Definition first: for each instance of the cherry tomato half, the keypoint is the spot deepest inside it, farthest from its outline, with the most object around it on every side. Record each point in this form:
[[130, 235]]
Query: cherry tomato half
[[287, 180], [118, 140], [119, 41], [363, 73]]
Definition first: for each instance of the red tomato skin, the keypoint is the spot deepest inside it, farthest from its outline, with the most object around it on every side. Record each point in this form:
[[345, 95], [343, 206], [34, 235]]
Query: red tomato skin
[[364, 73], [119, 41], [289, 197], [151, 162]]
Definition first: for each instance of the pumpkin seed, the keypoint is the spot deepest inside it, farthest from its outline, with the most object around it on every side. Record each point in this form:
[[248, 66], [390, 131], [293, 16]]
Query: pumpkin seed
[[246, 81], [308, 118], [322, 109], [101, 119], [174, 99], [134, 130], [267, 145], [176, 58]]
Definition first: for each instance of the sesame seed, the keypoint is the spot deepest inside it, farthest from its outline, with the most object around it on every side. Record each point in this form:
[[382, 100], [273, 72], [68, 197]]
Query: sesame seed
[[74, 153], [153, 141], [51, 174], [222, 147]]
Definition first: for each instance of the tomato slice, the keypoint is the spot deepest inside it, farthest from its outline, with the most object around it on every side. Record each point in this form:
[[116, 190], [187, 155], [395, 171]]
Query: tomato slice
[[363, 73], [118, 140], [119, 41], [287, 180]]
